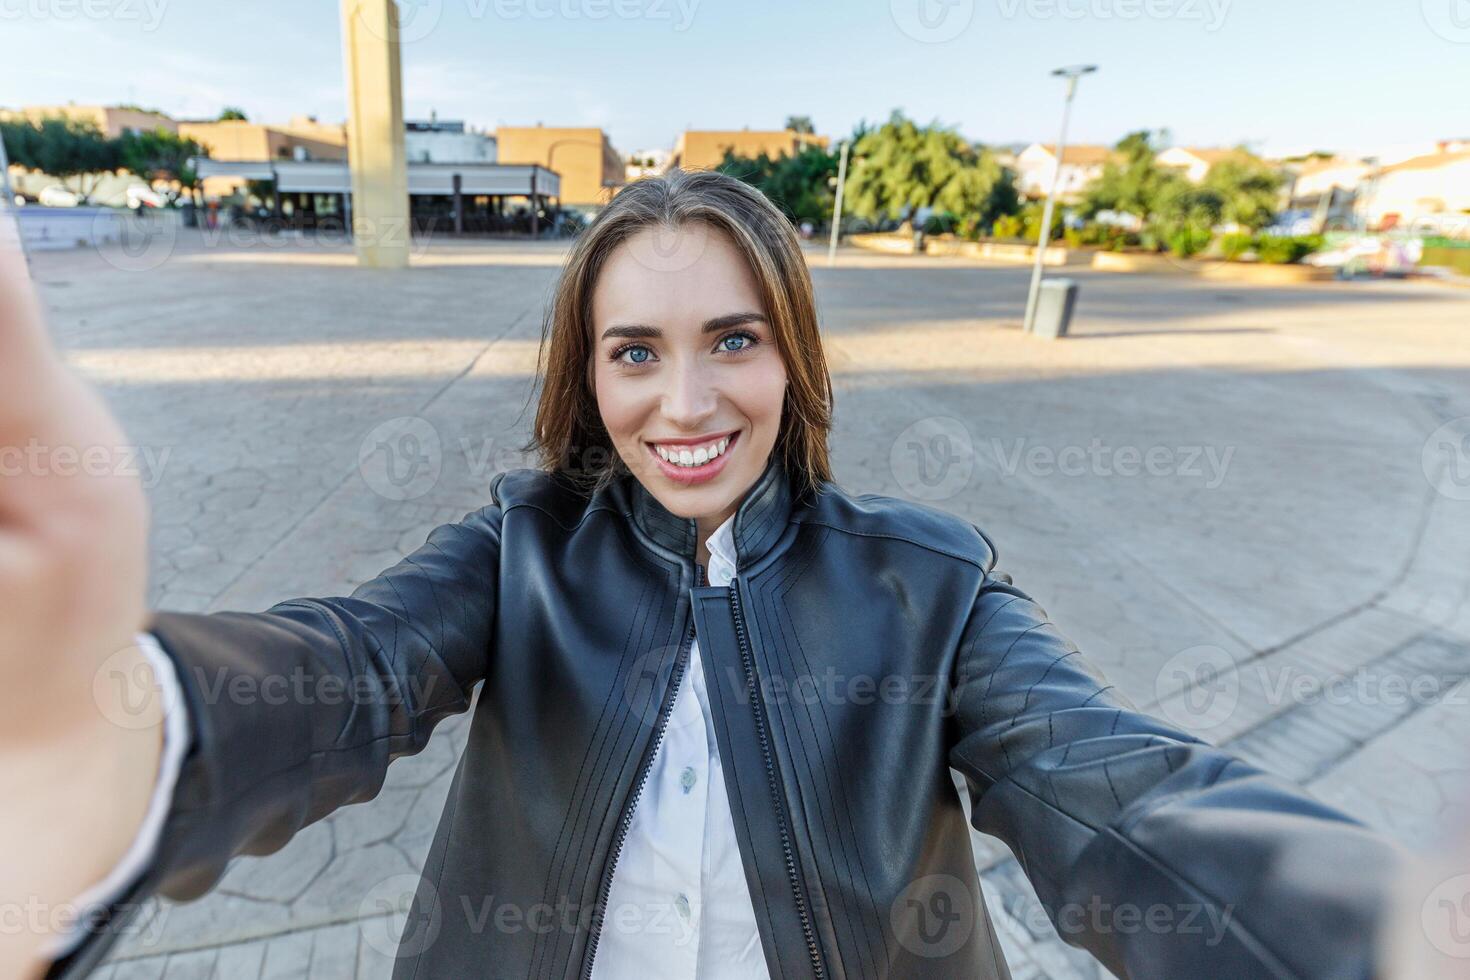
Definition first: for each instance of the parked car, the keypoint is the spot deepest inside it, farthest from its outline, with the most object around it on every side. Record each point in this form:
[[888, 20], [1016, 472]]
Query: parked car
[[143, 196], [58, 197]]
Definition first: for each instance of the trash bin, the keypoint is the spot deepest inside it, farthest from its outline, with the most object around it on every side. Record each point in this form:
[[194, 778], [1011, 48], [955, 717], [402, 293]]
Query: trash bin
[[1054, 305]]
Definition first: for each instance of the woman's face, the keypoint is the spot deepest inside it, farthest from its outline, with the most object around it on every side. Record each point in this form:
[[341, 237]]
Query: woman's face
[[687, 376]]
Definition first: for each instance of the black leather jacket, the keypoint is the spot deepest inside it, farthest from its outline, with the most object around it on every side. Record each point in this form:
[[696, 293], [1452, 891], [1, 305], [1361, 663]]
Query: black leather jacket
[[866, 646]]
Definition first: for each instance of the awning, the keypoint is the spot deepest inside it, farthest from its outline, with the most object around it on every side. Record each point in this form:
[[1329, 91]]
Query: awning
[[333, 177]]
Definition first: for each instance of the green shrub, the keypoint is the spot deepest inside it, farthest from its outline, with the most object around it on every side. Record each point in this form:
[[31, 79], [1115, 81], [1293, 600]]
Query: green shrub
[[1232, 247], [1286, 249], [1187, 240], [1454, 256], [940, 223], [1031, 216], [1008, 226]]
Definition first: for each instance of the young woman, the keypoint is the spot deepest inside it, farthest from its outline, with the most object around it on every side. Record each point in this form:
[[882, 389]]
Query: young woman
[[722, 697]]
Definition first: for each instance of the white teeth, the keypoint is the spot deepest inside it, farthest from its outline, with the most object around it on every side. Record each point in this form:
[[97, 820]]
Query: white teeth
[[695, 457]]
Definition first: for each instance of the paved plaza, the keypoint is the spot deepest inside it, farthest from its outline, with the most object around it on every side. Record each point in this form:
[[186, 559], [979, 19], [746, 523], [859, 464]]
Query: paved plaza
[[1249, 506]]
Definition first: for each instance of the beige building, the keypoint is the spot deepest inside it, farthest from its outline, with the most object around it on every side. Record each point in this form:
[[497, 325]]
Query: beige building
[[235, 139], [111, 121], [1036, 168], [704, 149], [591, 170], [1309, 181], [1194, 162], [1430, 193]]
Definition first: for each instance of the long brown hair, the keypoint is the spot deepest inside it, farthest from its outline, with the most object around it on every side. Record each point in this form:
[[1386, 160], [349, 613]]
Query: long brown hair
[[568, 435]]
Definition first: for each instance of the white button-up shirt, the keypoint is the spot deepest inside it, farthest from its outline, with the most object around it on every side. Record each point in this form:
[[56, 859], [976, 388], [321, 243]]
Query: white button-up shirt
[[679, 907]]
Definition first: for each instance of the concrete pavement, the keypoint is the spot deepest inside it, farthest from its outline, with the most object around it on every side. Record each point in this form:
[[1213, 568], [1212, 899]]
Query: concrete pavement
[[1249, 506]]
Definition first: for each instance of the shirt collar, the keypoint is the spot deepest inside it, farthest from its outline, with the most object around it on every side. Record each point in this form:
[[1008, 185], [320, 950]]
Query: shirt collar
[[721, 546]]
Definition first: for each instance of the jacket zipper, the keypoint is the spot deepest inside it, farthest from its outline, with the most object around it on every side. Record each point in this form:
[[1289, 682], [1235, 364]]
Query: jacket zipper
[[676, 677], [787, 851]]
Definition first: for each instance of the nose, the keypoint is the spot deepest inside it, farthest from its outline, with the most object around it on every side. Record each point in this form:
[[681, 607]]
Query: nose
[[690, 399]]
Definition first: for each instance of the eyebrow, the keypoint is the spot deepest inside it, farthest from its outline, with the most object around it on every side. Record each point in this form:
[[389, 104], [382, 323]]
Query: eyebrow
[[713, 325]]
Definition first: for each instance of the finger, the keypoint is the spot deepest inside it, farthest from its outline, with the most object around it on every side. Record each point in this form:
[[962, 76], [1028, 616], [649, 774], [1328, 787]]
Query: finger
[[28, 363]]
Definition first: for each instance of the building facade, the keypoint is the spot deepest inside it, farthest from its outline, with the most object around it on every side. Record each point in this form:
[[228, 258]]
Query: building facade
[[704, 149], [437, 140], [1428, 193], [1195, 162], [1037, 165], [591, 170], [111, 121]]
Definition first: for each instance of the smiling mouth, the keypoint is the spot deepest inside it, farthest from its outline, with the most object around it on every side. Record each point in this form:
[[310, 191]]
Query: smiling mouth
[[693, 462], [684, 454]]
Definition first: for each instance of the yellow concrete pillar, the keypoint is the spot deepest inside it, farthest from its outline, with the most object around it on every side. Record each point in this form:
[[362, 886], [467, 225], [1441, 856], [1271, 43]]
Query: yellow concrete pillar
[[375, 150]]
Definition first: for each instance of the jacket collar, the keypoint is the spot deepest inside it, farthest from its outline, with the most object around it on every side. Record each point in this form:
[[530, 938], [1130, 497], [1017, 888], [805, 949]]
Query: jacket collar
[[759, 520]]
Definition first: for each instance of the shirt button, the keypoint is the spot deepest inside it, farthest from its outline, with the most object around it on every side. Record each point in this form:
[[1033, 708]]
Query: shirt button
[[688, 778], [681, 902]]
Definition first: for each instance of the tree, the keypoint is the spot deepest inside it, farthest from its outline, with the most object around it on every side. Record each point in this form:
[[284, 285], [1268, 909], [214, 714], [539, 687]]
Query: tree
[[161, 155], [1134, 184], [800, 185], [229, 113], [22, 143], [900, 167], [1184, 216], [71, 149], [1249, 189], [800, 124]]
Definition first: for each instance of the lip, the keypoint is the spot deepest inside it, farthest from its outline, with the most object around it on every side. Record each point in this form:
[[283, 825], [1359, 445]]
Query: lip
[[690, 475], [693, 440]]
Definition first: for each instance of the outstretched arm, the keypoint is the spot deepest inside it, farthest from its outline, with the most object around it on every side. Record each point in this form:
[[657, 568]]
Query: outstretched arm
[[291, 713], [72, 581], [1159, 853]]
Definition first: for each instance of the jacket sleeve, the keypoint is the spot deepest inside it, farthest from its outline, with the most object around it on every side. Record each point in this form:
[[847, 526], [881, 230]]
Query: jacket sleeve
[[1157, 852], [298, 710]]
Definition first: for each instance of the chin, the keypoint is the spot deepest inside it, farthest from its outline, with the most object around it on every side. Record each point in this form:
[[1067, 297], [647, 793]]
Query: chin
[[710, 490], [694, 504]]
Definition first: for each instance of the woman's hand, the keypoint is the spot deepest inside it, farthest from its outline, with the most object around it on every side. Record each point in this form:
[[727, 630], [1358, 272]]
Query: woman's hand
[[78, 748]]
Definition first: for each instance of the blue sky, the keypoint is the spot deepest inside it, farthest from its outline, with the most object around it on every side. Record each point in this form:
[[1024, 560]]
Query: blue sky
[[1282, 75]]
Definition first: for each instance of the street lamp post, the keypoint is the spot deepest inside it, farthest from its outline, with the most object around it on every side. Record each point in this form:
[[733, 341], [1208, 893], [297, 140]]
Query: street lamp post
[[1071, 73], [837, 207]]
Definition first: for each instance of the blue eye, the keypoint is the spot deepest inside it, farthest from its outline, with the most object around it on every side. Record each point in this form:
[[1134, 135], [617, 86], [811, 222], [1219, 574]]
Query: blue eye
[[736, 342], [636, 354]]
